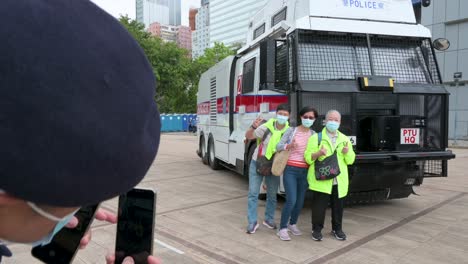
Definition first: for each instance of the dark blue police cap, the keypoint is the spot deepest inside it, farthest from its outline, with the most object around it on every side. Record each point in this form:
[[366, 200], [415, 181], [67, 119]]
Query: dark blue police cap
[[78, 121]]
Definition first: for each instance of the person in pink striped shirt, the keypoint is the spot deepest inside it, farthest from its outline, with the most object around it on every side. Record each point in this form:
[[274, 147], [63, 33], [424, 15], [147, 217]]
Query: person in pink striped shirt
[[295, 174]]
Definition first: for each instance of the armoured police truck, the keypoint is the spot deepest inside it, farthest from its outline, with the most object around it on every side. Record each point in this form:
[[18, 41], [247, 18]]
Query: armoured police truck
[[370, 60]]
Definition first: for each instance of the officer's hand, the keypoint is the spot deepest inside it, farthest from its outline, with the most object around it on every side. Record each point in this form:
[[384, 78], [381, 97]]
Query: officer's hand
[[110, 259], [101, 215], [345, 148]]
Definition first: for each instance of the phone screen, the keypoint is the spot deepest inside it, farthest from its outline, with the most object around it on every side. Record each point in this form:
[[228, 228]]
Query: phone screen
[[63, 247], [135, 227]]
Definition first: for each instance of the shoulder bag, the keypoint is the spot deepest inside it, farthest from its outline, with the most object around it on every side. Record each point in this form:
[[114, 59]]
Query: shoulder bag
[[328, 168]]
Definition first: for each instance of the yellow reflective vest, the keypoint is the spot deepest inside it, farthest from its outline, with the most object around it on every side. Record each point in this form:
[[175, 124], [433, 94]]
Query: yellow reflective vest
[[325, 186]]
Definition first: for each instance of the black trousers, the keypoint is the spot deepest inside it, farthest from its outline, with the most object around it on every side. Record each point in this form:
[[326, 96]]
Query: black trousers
[[319, 207]]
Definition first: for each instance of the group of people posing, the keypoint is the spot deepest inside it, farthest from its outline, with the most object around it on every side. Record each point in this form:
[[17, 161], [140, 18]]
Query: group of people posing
[[305, 147]]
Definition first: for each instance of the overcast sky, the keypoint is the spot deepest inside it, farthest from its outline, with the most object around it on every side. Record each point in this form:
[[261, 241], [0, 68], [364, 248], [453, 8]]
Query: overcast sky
[[122, 7]]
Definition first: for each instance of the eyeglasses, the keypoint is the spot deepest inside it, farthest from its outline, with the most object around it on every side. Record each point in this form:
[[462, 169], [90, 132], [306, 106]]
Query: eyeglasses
[[308, 117]]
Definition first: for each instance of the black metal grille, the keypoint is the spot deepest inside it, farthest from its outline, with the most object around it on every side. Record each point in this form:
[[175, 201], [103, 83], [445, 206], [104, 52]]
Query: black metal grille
[[433, 168], [324, 102], [332, 57], [280, 16], [434, 110], [281, 71], [259, 31], [292, 59], [336, 56], [400, 58], [429, 55], [426, 113]]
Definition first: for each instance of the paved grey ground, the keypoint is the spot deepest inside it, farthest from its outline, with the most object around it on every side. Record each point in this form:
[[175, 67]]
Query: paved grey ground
[[201, 217]]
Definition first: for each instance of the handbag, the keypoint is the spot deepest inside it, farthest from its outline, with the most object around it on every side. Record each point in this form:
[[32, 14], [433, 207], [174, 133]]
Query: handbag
[[281, 159], [263, 164], [328, 168]]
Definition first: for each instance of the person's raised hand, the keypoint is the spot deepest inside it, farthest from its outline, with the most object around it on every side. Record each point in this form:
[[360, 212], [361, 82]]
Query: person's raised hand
[[345, 148], [323, 151], [257, 122]]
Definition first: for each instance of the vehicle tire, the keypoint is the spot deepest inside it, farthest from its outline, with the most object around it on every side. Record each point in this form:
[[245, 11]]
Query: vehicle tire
[[201, 148], [212, 160]]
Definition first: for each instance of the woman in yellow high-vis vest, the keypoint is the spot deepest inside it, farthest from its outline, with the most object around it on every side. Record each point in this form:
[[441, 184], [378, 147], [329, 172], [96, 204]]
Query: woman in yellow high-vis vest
[[333, 190], [274, 130]]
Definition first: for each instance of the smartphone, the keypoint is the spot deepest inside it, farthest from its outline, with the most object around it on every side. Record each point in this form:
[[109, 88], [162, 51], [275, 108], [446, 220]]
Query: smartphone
[[135, 226], [64, 245]]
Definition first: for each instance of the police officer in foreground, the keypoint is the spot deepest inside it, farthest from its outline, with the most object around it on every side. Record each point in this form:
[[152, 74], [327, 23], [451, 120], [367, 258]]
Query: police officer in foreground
[[78, 121]]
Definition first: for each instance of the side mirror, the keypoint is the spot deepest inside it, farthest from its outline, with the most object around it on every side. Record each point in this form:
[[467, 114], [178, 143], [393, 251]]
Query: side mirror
[[441, 44], [426, 3]]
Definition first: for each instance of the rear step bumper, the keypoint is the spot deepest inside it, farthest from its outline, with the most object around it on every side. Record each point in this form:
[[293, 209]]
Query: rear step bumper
[[403, 156]]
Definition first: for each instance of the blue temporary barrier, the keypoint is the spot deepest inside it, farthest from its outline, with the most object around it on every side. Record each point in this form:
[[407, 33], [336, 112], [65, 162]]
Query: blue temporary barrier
[[178, 122], [178, 125], [185, 122], [171, 123], [164, 123]]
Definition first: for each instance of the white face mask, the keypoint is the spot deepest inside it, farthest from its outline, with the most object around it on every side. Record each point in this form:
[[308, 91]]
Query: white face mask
[[281, 119], [61, 223]]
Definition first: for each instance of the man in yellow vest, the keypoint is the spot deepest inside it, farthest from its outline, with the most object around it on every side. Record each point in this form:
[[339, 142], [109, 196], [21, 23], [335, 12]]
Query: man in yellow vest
[[319, 147], [274, 130]]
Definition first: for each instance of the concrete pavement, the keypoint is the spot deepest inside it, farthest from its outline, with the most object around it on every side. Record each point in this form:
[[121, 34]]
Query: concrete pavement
[[201, 218]]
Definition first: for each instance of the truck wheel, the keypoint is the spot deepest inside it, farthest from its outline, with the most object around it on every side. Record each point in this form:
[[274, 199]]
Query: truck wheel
[[201, 149], [212, 160]]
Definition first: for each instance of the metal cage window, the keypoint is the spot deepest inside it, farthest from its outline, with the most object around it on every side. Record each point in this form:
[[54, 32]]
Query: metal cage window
[[278, 17], [248, 76], [344, 56], [259, 31]]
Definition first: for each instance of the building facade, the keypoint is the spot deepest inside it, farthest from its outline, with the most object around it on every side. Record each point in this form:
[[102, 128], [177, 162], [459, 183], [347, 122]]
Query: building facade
[[181, 35], [184, 38], [192, 18], [229, 19], [150, 11], [175, 7], [201, 35], [449, 19], [166, 12]]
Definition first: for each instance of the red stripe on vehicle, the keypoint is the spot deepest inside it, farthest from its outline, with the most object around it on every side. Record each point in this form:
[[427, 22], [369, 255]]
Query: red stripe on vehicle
[[251, 102]]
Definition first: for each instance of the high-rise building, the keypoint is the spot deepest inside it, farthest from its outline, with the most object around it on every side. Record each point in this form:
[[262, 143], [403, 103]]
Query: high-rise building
[[201, 35], [181, 35], [449, 19], [175, 12], [166, 12], [192, 16], [150, 11], [229, 19]]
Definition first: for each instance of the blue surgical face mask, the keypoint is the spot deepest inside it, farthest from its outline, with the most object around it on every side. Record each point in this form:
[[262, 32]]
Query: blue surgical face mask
[[332, 126], [307, 122], [61, 222], [282, 119]]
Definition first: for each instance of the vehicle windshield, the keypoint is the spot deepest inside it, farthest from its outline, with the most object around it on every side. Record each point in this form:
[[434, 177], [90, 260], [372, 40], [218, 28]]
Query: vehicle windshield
[[324, 56]]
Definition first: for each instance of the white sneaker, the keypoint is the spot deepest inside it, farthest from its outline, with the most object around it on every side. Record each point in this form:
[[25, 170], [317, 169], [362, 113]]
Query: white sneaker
[[294, 230], [283, 234]]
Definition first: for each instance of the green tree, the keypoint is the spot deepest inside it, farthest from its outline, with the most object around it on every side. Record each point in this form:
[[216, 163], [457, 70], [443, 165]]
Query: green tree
[[211, 56], [171, 67], [176, 74]]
